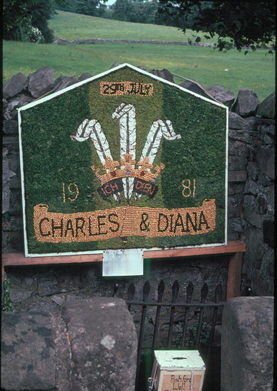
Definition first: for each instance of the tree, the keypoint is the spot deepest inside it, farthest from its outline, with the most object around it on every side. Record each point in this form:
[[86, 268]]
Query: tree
[[66, 5], [25, 18], [123, 10], [90, 7], [135, 11], [237, 23]]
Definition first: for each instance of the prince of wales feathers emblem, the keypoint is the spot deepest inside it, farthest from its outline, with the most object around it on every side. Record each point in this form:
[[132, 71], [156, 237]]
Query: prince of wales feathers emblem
[[128, 175]]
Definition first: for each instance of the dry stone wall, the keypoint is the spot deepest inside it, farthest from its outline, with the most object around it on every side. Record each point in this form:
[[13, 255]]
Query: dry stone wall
[[251, 172]]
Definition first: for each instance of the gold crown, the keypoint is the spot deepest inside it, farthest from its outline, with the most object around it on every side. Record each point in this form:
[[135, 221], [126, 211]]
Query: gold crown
[[127, 168]]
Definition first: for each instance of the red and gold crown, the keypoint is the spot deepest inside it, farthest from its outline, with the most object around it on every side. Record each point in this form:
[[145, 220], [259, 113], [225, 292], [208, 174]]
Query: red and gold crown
[[127, 168]]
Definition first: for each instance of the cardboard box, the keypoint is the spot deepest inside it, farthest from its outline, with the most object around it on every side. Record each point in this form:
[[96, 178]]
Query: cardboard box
[[177, 370]]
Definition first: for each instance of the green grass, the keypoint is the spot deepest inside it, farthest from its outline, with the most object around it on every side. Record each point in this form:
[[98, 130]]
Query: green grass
[[232, 70], [68, 25]]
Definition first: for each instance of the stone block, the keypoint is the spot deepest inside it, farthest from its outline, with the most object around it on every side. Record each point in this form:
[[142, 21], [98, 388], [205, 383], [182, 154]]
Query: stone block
[[255, 209], [237, 163], [246, 103], [12, 242], [10, 127], [47, 286], [6, 177], [164, 74], [261, 204], [247, 344], [238, 148], [267, 267], [251, 123], [11, 142], [63, 82], [15, 206], [239, 134], [221, 94], [103, 344], [196, 87], [269, 193], [20, 100], [41, 82], [234, 205], [266, 126], [78, 343], [15, 85], [19, 295], [265, 160], [231, 235], [12, 223], [268, 231], [236, 121], [84, 76], [236, 224], [252, 171], [237, 176], [251, 187], [266, 108], [235, 188], [28, 352], [255, 250]]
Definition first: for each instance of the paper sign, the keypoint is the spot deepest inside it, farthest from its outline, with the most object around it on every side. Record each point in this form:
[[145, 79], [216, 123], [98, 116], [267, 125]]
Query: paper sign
[[122, 263]]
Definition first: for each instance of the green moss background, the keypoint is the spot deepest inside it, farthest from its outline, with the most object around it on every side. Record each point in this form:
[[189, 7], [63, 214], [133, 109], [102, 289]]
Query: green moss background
[[51, 158]]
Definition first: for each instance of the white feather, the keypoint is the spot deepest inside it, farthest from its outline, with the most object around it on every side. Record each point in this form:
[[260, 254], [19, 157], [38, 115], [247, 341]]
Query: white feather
[[83, 132], [158, 130], [126, 114], [92, 130]]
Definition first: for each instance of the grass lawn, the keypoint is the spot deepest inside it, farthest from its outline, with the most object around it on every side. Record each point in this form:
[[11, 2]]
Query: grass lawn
[[68, 25], [232, 70]]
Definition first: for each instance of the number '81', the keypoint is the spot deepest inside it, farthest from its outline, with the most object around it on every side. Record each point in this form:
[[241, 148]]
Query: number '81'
[[189, 188]]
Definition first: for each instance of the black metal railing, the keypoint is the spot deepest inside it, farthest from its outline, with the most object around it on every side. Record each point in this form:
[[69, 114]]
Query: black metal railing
[[170, 319]]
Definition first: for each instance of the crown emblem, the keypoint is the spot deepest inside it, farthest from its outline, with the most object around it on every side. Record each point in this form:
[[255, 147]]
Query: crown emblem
[[127, 175], [127, 168]]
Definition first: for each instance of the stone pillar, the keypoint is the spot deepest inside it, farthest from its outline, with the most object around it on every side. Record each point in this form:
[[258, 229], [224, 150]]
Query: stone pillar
[[90, 344], [247, 344]]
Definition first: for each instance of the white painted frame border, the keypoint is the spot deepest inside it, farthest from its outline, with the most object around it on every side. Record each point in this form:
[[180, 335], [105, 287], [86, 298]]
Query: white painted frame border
[[83, 82]]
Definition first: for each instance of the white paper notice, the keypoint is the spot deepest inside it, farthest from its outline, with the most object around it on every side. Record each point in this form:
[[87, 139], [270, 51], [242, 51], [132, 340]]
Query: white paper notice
[[122, 263]]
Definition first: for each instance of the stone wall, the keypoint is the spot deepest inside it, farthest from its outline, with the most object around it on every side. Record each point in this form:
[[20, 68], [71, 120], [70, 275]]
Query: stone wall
[[251, 189], [247, 344]]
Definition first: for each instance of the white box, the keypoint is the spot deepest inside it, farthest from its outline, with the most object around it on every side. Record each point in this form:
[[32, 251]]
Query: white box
[[177, 370]]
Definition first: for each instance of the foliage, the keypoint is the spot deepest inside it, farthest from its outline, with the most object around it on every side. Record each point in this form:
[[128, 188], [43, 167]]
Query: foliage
[[191, 334], [41, 13], [205, 331], [6, 303], [34, 35], [126, 10], [90, 7], [135, 11], [16, 17], [27, 20], [238, 23], [66, 5], [85, 7], [22, 19]]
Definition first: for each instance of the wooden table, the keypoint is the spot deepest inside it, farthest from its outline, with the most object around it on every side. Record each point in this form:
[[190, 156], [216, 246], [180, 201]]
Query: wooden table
[[234, 248]]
